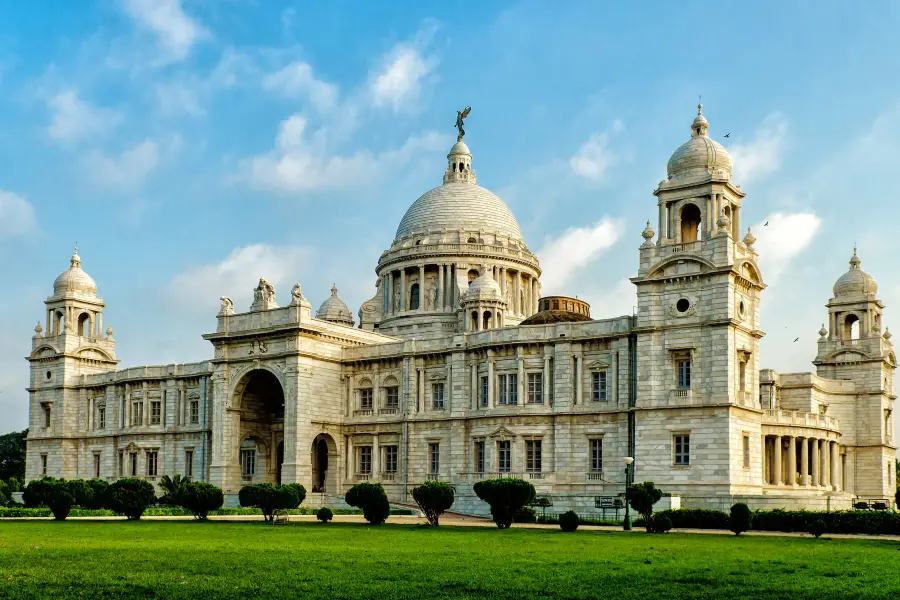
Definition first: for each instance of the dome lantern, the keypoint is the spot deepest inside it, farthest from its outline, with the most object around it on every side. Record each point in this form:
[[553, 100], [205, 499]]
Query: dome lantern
[[335, 310], [855, 282], [700, 156], [74, 280]]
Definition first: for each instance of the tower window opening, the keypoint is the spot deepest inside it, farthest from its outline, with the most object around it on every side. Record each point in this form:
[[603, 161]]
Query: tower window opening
[[454, 167], [414, 297], [487, 320], [682, 305], [472, 240], [59, 323], [851, 328], [690, 223], [460, 167], [474, 321], [84, 325]]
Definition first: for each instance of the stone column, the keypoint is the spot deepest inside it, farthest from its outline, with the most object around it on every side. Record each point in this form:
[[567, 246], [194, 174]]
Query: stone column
[[579, 378], [517, 301], [777, 478], [835, 466], [662, 221], [804, 462], [521, 390], [420, 387], [534, 295], [440, 294], [816, 472], [473, 387], [547, 376], [766, 460], [491, 391], [423, 294], [90, 419], [403, 300], [376, 473], [792, 461], [351, 459], [826, 464]]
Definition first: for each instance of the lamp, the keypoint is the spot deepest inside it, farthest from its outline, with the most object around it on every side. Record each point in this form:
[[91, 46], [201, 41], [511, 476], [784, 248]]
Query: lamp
[[629, 461]]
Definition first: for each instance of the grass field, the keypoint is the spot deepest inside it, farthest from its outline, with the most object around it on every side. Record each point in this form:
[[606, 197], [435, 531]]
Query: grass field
[[187, 559]]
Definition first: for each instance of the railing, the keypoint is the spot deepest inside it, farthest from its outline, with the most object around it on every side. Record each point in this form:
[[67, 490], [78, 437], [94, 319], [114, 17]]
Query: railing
[[595, 476], [685, 247], [389, 410], [388, 476], [535, 475], [363, 476], [432, 476], [682, 393], [796, 417], [478, 476], [363, 412]]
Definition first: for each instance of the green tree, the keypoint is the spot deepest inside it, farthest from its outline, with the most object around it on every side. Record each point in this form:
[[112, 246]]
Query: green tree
[[12, 455], [172, 488], [268, 498], [99, 489], [642, 497], [372, 499], [569, 521], [741, 518], [55, 494], [130, 496], [505, 497], [324, 514], [200, 498], [433, 498]]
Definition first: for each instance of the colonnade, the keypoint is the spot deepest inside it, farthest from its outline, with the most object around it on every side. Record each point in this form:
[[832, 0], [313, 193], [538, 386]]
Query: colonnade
[[802, 462]]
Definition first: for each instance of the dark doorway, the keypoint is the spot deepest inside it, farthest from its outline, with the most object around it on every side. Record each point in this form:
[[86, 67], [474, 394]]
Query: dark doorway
[[278, 464]]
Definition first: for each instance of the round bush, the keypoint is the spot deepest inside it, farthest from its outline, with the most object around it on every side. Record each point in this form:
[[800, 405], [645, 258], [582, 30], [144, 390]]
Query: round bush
[[505, 497], [433, 498], [200, 498], [268, 498], [300, 491], [660, 524], [817, 527], [370, 497], [569, 521], [130, 496], [526, 514], [98, 490], [324, 514], [741, 518], [55, 494]]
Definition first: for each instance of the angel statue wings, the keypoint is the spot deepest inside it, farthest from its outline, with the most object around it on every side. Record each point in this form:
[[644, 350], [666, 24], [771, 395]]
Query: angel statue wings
[[459, 122]]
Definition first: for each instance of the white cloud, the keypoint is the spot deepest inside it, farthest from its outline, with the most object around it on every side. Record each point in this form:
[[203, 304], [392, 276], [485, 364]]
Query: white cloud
[[562, 256], [609, 303], [398, 82], [176, 31], [595, 157], [200, 288], [177, 98], [296, 80], [124, 171], [74, 119], [761, 156], [16, 215], [783, 239]]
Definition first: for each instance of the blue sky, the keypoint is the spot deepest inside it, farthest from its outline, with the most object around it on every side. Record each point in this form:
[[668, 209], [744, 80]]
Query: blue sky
[[190, 147]]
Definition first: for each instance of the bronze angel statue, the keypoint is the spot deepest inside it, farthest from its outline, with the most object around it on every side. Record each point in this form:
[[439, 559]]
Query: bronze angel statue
[[459, 122]]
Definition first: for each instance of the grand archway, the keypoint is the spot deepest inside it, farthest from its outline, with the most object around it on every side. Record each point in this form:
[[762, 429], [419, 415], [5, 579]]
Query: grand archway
[[260, 400], [324, 460]]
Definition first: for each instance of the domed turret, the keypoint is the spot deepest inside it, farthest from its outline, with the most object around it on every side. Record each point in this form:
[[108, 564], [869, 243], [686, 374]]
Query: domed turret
[[334, 310], [855, 282], [483, 303], [74, 281], [484, 287], [700, 156]]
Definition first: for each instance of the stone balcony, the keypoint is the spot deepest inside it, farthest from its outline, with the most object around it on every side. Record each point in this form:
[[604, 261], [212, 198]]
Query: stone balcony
[[799, 418]]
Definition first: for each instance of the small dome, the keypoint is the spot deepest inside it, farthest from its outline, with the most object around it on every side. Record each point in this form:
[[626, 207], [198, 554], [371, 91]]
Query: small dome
[[699, 156], [334, 310], [554, 316], [74, 280], [460, 148], [855, 282], [484, 288]]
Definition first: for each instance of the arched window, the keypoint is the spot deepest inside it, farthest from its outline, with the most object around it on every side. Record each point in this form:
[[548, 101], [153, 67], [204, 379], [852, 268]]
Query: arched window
[[414, 297], [487, 320], [472, 275], [84, 325], [556, 305], [690, 223], [59, 322], [248, 458], [454, 167], [851, 328], [474, 321], [460, 167], [472, 240]]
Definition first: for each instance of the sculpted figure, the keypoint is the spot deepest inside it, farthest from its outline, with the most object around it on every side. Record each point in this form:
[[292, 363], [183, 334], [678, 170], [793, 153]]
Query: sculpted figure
[[460, 116], [432, 296], [263, 296], [296, 295], [397, 299], [227, 306]]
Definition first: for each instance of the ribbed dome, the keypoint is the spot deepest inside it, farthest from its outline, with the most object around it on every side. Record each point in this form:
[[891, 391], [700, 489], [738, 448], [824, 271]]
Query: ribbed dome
[[484, 287], [74, 280], [334, 310], [455, 206], [855, 282], [699, 156], [554, 316]]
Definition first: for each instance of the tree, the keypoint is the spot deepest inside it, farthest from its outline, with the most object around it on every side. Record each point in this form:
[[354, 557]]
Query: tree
[[569, 521], [817, 528], [433, 498], [741, 518], [301, 493], [55, 494], [200, 498], [12, 454], [99, 489], [172, 488], [4, 493], [324, 514], [130, 496], [642, 497], [370, 497], [505, 497], [268, 498]]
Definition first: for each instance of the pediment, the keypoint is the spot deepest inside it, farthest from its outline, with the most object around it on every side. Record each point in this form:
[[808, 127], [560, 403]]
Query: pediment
[[502, 432], [438, 375], [847, 355], [598, 365], [44, 352], [93, 354], [680, 265]]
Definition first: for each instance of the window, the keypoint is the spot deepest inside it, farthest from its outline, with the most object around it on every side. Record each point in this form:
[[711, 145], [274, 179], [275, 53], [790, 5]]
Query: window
[[508, 388], [96, 465], [195, 412], [683, 373], [364, 459], [121, 470], [596, 456], [44, 465], [437, 395], [189, 463], [47, 416], [390, 459], [152, 463], [365, 399], [137, 414], [133, 458], [682, 449], [483, 392], [434, 452], [392, 397], [101, 417], [746, 451], [535, 388], [414, 297], [248, 463], [479, 457], [155, 412], [742, 375], [598, 386], [533, 456], [552, 383], [504, 458]]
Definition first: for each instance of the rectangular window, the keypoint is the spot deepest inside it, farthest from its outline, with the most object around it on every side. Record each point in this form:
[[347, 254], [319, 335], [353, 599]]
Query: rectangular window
[[133, 459], [535, 388], [101, 417], [437, 395], [46, 416], [121, 463], [434, 453], [365, 399], [513, 389], [598, 386], [392, 397], [479, 457], [137, 414], [248, 463], [96, 465], [152, 463], [44, 465], [683, 373], [365, 460], [189, 463], [502, 390], [682, 449], [155, 412], [390, 459], [746, 451], [483, 392], [596, 456], [742, 376], [533, 456], [195, 412], [552, 382], [504, 457]]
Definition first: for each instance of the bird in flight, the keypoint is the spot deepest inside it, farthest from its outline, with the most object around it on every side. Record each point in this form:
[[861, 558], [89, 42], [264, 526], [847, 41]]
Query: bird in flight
[[795, 339], [767, 224], [728, 134]]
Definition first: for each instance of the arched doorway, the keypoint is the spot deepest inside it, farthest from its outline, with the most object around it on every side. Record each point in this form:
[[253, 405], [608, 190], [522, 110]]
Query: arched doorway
[[260, 399], [324, 464]]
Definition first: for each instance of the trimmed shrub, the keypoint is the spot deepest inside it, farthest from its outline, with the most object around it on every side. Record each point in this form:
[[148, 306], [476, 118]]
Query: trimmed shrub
[[817, 528], [642, 497], [433, 498], [14, 484], [269, 498], [741, 518], [697, 518], [569, 521], [55, 494], [130, 496], [200, 498], [370, 497], [660, 523], [526, 514], [300, 491], [505, 497], [324, 514], [98, 491]]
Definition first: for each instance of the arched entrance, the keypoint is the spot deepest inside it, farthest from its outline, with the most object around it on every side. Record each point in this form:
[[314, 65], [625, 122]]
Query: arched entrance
[[324, 464], [260, 399]]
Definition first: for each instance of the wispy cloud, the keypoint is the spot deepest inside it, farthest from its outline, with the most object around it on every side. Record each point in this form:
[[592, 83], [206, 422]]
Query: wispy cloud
[[402, 73], [562, 256], [175, 30], [124, 171], [177, 98], [761, 155], [781, 238], [75, 120], [17, 216], [595, 156], [296, 80]]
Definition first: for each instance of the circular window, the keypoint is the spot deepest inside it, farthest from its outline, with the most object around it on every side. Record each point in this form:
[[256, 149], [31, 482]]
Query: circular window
[[49, 375], [683, 305]]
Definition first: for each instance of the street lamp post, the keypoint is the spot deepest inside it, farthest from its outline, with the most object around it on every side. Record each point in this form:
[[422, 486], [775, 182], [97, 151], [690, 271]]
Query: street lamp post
[[629, 461]]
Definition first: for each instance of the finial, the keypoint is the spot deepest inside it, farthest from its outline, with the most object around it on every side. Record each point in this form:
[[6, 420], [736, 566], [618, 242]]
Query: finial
[[822, 331], [460, 116], [749, 239], [854, 260], [887, 333], [699, 109], [334, 289], [38, 329], [648, 233], [109, 332]]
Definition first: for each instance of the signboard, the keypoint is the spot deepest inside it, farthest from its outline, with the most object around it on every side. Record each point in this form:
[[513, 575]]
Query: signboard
[[604, 502]]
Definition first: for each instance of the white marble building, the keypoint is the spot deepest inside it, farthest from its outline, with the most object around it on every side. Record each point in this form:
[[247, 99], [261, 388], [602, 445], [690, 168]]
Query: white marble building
[[455, 374]]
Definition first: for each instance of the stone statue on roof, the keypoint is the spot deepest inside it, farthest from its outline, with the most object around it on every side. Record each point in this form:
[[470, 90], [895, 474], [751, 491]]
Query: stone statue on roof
[[460, 115]]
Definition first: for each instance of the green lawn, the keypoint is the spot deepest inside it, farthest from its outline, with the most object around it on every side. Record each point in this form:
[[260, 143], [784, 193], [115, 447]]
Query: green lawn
[[188, 559]]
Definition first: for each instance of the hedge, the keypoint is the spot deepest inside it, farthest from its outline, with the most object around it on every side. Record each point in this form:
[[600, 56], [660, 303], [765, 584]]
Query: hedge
[[166, 511], [583, 519], [856, 521]]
